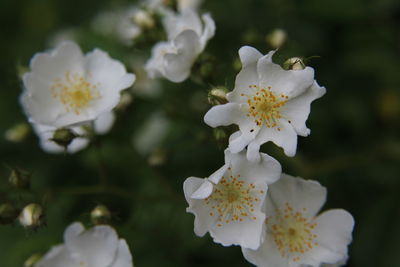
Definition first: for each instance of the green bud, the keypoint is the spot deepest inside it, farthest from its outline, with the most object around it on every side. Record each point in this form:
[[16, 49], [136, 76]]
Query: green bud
[[276, 38], [17, 133], [19, 178], [217, 96], [63, 137], [100, 215], [32, 260], [294, 63], [31, 216], [7, 213]]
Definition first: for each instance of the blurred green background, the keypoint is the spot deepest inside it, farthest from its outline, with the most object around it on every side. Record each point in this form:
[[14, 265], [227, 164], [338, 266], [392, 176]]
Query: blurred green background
[[354, 148]]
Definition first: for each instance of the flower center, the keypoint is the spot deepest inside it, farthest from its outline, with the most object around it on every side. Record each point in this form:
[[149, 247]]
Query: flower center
[[233, 200], [264, 106], [292, 232], [74, 92]]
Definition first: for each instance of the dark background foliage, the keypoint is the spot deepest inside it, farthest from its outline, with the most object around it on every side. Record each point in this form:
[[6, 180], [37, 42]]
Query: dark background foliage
[[354, 148]]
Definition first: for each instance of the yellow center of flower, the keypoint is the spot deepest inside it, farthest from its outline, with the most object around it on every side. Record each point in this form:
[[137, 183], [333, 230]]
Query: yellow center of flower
[[74, 92], [265, 105], [292, 232], [233, 200]]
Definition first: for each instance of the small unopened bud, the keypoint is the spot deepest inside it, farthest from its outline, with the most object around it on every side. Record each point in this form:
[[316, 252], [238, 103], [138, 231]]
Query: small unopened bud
[[100, 215], [63, 137], [19, 178], [17, 133], [31, 216], [144, 19], [7, 213], [32, 260], [217, 96], [276, 38], [294, 63]]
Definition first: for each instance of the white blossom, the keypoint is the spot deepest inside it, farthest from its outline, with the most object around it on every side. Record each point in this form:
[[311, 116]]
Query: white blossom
[[268, 103], [95, 247], [65, 87], [228, 204], [295, 235], [187, 38]]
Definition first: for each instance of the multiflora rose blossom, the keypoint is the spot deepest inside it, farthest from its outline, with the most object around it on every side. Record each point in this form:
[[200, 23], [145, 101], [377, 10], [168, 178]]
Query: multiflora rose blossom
[[187, 38], [95, 247], [268, 103], [228, 204], [295, 235], [65, 87]]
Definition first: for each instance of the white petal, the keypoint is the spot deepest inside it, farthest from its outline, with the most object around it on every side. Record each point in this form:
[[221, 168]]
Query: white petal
[[65, 57], [203, 191], [253, 151], [176, 24], [203, 221], [104, 122], [333, 232], [267, 255], [208, 31], [285, 137], [124, 257], [297, 109], [247, 234], [155, 65], [97, 246], [299, 193], [58, 256], [238, 141], [248, 75], [217, 175], [289, 82], [178, 65], [224, 115], [266, 171]]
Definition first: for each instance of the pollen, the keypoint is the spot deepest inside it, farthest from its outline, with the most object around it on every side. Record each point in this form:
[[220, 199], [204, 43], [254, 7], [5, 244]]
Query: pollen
[[292, 232], [265, 105], [233, 200], [74, 92]]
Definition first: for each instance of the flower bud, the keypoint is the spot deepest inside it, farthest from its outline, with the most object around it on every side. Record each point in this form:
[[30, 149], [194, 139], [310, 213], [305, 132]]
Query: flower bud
[[17, 133], [63, 137], [32, 260], [144, 19], [276, 38], [7, 213], [294, 63], [19, 178], [100, 215], [217, 96], [31, 216]]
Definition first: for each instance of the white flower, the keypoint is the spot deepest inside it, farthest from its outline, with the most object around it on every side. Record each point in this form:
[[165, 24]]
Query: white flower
[[45, 133], [295, 236], [268, 103], [187, 38], [95, 247], [65, 87], [228, 204]]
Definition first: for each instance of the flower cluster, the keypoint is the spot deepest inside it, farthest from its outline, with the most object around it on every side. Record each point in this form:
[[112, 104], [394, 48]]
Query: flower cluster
[[95, 247], [249, 201]]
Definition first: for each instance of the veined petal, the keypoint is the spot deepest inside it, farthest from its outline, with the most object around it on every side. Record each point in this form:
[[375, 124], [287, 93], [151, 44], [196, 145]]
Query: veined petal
[[288, 82], [297, 109]]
